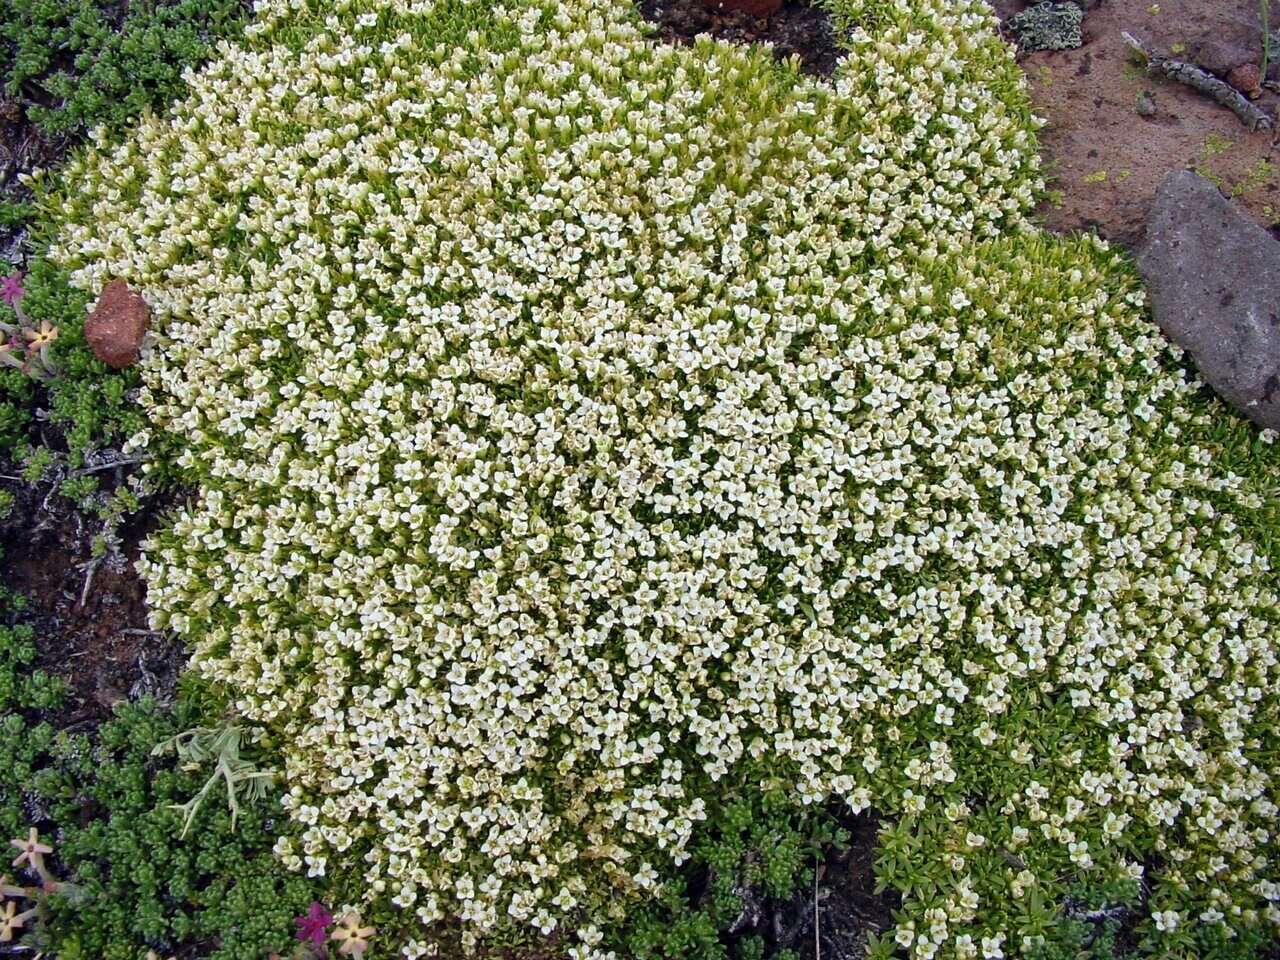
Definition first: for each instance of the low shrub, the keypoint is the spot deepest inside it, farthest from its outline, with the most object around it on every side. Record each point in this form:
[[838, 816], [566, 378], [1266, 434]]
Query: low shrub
[[88, 403], [581, 422], [756, 850], [130, 881], [81, 64], [73, 66]]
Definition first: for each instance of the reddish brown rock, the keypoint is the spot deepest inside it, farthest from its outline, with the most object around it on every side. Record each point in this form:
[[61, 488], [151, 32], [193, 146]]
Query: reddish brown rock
[[754, 8], [117, 325], [1218, 36], [1247, 78]]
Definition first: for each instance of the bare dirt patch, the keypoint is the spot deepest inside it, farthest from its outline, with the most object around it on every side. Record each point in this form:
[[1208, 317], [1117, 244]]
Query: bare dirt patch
[[1105, 159], [835, 919], [96, 639]]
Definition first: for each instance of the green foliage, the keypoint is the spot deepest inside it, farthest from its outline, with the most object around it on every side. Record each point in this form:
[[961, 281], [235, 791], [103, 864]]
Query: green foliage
[[78, 488], [21, 687], [80, 64], [1098, 921], [107, 805], [1091, 924], [145, 882], [16, 393], [14, 213], [87, 400], [89, 62], [89, 404], [754, 839], [34, 461]]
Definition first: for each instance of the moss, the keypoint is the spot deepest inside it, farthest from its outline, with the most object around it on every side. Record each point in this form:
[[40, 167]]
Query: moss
[[85, 63], [106, 806]]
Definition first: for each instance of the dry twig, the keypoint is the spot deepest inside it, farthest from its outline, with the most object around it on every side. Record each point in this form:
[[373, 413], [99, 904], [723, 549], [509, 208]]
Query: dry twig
[[1187, 73], [92, 566], [817, 926], [111, 465]]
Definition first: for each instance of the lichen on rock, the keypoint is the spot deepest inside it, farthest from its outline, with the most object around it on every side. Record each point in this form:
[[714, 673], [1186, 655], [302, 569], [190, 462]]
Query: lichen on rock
[[1047, 26]]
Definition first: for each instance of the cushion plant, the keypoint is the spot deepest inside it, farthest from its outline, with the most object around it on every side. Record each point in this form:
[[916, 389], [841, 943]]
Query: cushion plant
[[582, 422]]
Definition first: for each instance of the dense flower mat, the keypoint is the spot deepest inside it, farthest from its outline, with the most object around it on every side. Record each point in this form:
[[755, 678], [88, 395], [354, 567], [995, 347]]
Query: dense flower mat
[[580, 421]]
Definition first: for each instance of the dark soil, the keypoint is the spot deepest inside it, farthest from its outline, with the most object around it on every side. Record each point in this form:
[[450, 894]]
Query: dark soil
[[799, 28], [830, 918], [24, 148], [101, 647], [833, 919]]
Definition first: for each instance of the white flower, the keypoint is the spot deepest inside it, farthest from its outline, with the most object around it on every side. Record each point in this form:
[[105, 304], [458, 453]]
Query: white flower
[[1166, 920], [576, 416]]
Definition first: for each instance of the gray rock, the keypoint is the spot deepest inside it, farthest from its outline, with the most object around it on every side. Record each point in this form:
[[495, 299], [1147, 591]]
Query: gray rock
[[1211, 273], [1047, 26]]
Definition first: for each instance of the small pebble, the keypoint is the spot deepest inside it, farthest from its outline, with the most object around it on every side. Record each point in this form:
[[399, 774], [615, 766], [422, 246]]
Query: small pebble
[[1247, 78], [1146, 105], [115, 328]]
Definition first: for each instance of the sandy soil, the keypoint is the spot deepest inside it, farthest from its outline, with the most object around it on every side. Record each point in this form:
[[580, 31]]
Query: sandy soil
[[1104, 160]]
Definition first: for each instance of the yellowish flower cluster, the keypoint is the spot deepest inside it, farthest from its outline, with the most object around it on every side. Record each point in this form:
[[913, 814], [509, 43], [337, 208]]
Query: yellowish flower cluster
[[579, 418]]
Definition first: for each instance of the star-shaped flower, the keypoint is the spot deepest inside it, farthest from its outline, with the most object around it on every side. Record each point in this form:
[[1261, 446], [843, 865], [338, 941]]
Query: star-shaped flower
[[314, 926], [11, 288], [33, 851], [11, 921], [42, 337], [352, 938]]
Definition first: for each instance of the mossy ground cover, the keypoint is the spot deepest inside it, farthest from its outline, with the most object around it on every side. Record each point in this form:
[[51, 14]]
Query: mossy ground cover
[[126, 877], [613, 458], [80, 64], [68, 68]]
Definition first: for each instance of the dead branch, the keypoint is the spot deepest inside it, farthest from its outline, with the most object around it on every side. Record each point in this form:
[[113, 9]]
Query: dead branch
[[1220, 92], [122, 462]]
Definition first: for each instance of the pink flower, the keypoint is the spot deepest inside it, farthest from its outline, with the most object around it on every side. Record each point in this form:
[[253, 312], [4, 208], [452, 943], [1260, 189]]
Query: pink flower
[[11, 288], [314, 925]]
